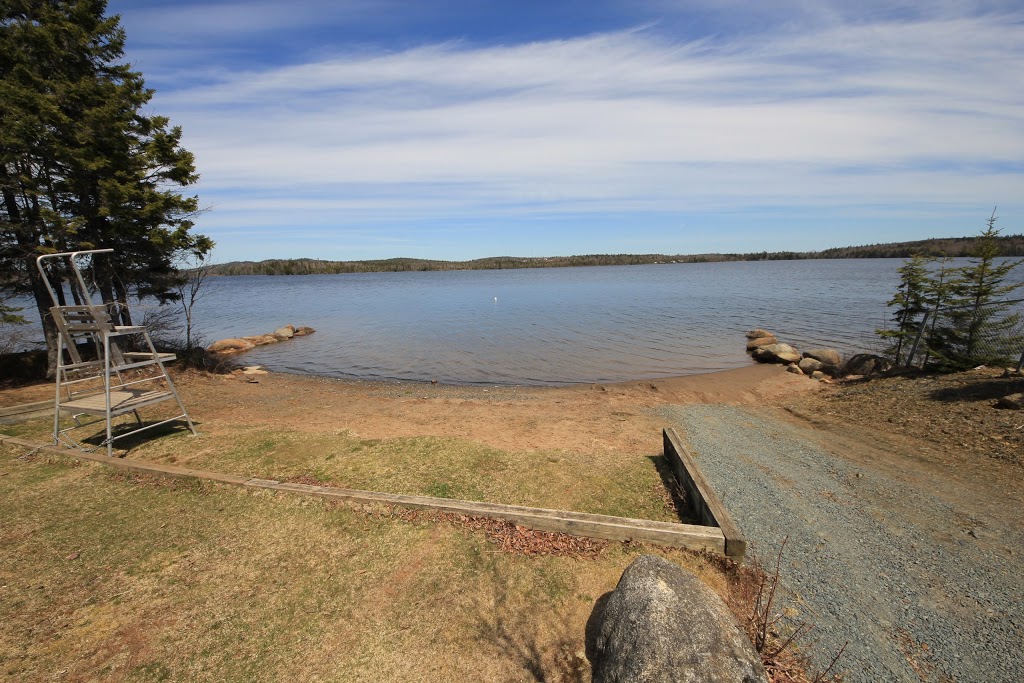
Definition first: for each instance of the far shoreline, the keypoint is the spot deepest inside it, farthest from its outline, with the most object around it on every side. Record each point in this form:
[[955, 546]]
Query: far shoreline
[[956, 247]]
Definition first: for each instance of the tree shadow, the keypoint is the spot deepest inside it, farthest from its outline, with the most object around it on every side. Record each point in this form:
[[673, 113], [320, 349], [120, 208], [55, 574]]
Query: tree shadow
[[519, 638], [983, 389], [675, 495]]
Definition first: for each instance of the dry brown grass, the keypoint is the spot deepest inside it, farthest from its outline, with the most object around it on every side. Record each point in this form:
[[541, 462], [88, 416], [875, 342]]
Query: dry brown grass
[[120, 577], [115, 577]]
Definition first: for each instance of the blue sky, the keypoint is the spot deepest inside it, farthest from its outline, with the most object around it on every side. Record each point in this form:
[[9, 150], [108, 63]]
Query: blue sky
[[458, 129]]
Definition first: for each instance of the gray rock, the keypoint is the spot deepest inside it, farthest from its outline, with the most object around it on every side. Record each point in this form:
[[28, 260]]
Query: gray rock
[[761, 341], [230, 346], [777, 353], [809, 365], [663, 624], [818, 374], [831, 370], [754, 334], [287, 332], [303, 331], [826, 356], [1013, 402], [794, 368], [262, 339], [866, 364]]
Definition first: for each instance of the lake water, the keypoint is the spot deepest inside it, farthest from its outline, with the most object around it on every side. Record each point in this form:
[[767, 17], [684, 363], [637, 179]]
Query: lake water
[[550, 326]]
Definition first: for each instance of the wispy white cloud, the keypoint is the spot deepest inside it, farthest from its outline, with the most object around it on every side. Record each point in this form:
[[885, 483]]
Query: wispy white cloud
[[900, 110]]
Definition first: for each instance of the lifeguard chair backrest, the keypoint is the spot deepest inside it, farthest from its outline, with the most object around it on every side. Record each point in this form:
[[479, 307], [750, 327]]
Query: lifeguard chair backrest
[[77, 324], [74, 278]]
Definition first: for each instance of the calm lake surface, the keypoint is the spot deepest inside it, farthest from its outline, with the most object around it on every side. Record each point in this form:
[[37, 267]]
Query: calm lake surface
[[550, 326]]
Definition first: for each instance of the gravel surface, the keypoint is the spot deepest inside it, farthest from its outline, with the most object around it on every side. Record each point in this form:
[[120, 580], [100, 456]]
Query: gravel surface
[[922, 587]]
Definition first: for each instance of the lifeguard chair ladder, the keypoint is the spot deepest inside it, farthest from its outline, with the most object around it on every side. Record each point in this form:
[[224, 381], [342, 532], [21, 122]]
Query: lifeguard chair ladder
[[108, 381]]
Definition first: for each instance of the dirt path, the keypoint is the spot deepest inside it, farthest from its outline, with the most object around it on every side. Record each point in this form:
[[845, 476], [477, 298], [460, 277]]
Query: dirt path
[[911, 557]]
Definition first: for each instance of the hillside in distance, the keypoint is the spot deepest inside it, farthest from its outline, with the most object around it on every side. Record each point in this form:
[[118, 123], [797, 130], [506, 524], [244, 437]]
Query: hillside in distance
[[1011, 245]]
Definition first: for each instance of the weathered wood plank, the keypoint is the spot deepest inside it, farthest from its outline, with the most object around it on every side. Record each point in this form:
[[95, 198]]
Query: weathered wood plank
[[705, 502], [559, 521], [121, 401], [23, 408], [132, 465], [574, 523]]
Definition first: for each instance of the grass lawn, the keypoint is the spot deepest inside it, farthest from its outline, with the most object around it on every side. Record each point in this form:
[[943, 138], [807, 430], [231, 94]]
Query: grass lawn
[[612, 483], [114, 577]]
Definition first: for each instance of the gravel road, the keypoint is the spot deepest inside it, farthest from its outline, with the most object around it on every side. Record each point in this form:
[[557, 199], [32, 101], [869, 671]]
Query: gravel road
[[922, 586]]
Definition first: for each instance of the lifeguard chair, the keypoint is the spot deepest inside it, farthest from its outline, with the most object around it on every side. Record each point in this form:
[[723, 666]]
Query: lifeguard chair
[[96, 374]]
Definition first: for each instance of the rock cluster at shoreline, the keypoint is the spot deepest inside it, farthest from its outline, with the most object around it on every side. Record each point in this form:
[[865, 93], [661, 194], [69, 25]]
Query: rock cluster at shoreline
[[240, 344], [818, 364]]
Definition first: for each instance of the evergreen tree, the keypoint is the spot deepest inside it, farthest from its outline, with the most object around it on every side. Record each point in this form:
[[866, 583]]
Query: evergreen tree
[[9, 315], [911, 303], [81, 165], [938, 291], [976, 328]]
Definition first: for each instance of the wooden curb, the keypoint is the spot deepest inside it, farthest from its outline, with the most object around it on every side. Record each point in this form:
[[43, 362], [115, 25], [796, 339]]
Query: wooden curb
[[702, 497], [690, 536], [25, 411]]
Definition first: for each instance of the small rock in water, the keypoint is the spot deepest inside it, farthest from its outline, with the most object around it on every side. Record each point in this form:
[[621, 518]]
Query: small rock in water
[[777, 353], [761, 341]]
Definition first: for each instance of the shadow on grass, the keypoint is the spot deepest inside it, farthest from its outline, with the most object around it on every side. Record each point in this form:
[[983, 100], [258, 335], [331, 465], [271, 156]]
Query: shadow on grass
[[545, 645], [127, 443], [675, 496]]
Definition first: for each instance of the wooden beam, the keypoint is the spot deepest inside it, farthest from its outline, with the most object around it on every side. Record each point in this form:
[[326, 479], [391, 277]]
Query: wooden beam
[[25, 411], [583, 524], [702, 498], [23, 408]]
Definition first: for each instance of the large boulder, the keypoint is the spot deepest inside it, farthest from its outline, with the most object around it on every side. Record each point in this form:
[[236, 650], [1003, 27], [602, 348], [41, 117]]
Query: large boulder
[[663, 624], [865, 364], [831, 370], [777, 353], [303, 331], [827, 356], [754, 334], [761, 341], [230, 346], [809, 365], [287, 332]]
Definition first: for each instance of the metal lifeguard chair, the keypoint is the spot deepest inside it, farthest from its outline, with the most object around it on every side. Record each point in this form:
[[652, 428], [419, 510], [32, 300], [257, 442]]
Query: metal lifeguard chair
[[95, 374]]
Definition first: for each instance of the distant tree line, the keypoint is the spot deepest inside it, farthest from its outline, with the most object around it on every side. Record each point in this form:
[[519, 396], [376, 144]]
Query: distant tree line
[[1009, 245]]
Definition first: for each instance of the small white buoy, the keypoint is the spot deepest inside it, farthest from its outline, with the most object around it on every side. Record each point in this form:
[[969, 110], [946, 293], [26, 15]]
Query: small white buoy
[[495, 299]]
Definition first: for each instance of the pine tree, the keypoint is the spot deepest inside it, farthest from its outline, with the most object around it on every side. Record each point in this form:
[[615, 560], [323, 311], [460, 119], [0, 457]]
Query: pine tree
[[938, 291], [911, 303], [81, 165], [976, 327]]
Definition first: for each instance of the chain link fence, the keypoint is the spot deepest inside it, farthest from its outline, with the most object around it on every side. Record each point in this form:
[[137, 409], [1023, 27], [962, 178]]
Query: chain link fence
[[991, 334]]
